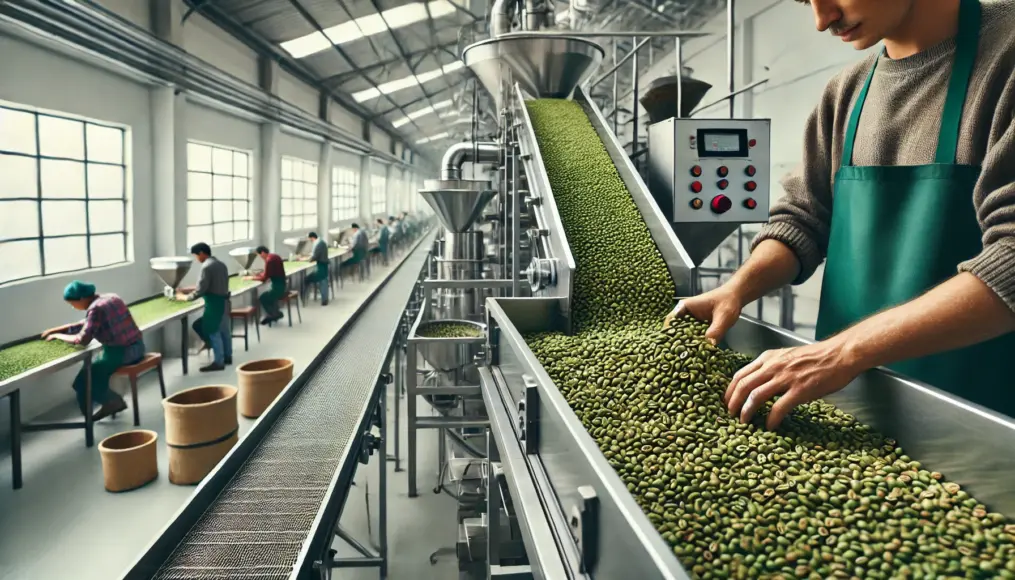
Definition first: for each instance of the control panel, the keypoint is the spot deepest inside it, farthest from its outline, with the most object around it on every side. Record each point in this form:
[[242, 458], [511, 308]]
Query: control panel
[[711, 170]]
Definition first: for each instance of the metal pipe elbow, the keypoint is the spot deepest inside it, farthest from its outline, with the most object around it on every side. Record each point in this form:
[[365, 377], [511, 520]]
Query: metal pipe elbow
[[500, 17], [459, 153]]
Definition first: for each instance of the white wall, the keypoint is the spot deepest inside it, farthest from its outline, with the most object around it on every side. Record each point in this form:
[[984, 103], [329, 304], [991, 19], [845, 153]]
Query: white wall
[[294, 91], [135, 11], [340, 117], [205, 41], [29, 307]]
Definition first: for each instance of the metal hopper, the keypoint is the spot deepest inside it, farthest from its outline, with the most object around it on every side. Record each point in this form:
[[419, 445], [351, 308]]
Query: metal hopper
[[244, 257], [457, 202], [171, 270], [297, 246], [449, 354]]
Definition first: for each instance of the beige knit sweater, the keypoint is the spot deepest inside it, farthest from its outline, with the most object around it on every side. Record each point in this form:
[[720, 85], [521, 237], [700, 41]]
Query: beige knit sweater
[[899, 126]]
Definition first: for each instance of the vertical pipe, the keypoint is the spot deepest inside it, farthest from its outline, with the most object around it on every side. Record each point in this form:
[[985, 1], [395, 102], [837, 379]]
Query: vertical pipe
[[410, 380], [516, 230], [678, 51], [730, 64], [616, 73], [399, 377], [634, 105]]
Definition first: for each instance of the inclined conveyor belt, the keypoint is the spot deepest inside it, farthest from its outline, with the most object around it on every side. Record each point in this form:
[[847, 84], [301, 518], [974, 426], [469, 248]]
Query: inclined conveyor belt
[[253, 516]]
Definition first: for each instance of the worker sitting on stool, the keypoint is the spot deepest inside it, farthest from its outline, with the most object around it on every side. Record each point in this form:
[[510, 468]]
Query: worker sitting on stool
[[274, 272], [108, 320], [213, 326], [382, 242], [360, 248], [320, 275]]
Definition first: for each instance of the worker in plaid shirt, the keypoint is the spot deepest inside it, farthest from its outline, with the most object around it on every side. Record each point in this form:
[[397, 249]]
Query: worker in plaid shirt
[[107, 320]]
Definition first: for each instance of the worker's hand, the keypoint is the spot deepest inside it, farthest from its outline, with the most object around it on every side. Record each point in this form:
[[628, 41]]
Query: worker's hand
[[801, 375], [58, 336], [181, 296], [721, 307]]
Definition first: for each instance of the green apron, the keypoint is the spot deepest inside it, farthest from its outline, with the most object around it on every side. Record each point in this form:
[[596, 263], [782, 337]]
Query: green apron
[[214, 310], [898, 231], [278, 286]]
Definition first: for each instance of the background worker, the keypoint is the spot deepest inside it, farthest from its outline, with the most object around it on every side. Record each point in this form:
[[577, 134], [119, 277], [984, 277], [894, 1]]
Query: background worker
[[319, 255], [107, 320], [274, 272], [908, 196], [360, 249], [383, 239], [213, 325]]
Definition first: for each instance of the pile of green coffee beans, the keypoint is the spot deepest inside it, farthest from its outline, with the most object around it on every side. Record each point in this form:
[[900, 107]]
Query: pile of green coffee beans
[[824, 496], [449, 329], [29, 355]]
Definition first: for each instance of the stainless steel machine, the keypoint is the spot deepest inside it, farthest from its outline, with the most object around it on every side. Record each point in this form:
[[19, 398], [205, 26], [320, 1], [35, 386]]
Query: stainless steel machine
[[554, 507], [297, 246], [245, 257], [171, 270]]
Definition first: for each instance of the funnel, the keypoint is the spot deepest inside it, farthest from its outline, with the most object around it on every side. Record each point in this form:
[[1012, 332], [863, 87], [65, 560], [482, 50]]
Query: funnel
[[335, 236], [660, 100], [244, 257], [544, 66], [457, 202], [171, 269], [296, 245], [448, 354]]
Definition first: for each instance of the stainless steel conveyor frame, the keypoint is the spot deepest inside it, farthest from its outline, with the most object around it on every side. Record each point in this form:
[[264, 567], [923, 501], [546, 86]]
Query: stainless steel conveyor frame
[[271, 507]]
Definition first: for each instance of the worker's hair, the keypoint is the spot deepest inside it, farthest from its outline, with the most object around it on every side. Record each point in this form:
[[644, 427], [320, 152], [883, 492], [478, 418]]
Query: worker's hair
[[312, 235], [200, 248], [355, 226], [380, 221], [262, 250]]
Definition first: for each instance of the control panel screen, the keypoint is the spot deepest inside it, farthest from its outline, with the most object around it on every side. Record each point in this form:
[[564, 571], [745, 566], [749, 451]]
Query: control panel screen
[[722, 143]]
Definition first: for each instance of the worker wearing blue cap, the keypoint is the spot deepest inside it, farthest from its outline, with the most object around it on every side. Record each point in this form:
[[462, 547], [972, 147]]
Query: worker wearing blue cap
[[107, 320]]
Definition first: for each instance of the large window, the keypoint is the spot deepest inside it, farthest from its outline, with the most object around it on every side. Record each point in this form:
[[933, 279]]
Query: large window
[[218, 194], [344, 193], [63, 194], [378, 194], [299, 194]]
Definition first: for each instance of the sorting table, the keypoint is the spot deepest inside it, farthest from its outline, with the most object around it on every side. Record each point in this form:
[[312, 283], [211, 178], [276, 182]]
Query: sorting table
[[146, 318]]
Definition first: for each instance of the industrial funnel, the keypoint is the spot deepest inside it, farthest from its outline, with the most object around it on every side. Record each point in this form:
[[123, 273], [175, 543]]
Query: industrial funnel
[[544, 66], [171, 270], [457, 202], [297, 246], [244, 257], [660, 100], [448, 354]]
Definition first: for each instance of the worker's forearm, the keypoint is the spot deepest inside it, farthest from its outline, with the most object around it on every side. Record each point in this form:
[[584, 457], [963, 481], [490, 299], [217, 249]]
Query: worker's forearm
[[959, 312], [772, 265]]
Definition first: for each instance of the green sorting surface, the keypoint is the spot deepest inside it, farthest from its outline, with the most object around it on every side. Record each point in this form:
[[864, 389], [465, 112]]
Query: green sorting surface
[[25, 357], [291, 267]]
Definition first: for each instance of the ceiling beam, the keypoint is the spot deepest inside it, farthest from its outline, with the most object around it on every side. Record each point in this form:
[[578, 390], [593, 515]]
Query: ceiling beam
[[343, 77]]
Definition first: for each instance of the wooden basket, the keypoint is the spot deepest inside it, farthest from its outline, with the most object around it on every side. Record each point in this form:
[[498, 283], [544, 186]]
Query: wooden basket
[[260, 383], [129, 460], [201, 427]]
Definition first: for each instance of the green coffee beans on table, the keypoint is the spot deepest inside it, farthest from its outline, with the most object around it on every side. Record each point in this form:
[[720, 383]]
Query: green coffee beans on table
[[824, 496], [449, 329], [24, 357]]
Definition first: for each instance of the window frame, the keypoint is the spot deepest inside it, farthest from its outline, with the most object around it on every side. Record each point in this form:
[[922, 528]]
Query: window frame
[[40, 198], [298, 161], [338, 195], [383, 180], [248, 199]]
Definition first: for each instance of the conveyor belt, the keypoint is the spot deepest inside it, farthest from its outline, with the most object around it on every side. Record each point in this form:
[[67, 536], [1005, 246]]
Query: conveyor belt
[[257, 525]]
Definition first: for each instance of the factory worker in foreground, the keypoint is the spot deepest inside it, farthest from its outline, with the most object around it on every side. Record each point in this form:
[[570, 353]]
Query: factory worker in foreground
[[107, 320], [274, 273], [213, 326], [319, 255], [907, 192]]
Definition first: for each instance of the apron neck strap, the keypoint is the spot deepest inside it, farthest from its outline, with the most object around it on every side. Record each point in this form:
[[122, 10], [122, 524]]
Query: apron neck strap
[[967, 43]]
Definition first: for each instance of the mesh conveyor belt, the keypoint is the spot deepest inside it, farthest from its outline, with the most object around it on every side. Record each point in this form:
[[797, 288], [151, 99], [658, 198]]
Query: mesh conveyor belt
[[257, 525]]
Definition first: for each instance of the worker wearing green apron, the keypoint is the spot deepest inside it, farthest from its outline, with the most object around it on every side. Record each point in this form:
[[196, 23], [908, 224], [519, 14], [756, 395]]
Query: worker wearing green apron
[[319, 255], [890, 294], [273, 273], [213, 326], [107, 320]]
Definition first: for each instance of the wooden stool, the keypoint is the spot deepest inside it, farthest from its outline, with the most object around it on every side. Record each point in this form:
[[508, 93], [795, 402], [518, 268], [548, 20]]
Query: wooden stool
[[151, 360], [288, 299], [245, 313]]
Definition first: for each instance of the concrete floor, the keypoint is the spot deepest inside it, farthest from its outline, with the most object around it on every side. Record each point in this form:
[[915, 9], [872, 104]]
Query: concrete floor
[[63, 524]]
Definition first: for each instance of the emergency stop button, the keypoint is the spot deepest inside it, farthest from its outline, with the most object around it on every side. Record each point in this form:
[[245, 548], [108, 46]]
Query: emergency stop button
[[721, 204]]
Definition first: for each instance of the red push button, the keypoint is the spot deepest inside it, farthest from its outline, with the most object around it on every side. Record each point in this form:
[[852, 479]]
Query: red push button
[[750, 171], [696, 171], [696, 203], [750, 203], [721, 204], [723, 171], [696, 187], [750, 186], [752, 142], [723, 184]]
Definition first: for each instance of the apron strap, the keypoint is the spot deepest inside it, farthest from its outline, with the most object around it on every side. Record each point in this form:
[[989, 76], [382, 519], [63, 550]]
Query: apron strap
[[967, 44]]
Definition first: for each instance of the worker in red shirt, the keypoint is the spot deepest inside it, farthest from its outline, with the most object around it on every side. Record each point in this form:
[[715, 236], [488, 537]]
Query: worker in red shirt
[[274, 272]]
